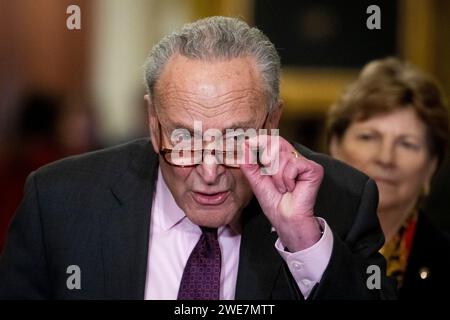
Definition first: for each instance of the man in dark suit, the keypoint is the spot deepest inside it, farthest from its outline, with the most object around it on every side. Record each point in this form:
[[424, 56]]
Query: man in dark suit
[[179, 216]]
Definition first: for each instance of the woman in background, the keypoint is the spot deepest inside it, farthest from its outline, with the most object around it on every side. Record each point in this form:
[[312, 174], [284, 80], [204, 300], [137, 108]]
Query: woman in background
[[392, 124]]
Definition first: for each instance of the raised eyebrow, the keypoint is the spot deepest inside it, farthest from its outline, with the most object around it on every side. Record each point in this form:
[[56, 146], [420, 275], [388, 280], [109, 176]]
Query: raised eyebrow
[[178, 125], [415, 137], [241, 125], [403, 135], [412, 136]]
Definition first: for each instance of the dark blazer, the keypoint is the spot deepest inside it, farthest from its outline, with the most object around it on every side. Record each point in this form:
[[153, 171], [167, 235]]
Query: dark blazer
[[93, 211], [430, 252]]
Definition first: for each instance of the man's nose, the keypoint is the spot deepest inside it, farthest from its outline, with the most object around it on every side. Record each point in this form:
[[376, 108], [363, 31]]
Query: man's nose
[[210, 170]]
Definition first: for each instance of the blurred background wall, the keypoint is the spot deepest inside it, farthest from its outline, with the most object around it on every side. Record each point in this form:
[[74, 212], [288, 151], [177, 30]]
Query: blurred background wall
[[64, 92]]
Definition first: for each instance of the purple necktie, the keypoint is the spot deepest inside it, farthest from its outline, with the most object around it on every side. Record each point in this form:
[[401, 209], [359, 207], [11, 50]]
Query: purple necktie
[[201, 276]]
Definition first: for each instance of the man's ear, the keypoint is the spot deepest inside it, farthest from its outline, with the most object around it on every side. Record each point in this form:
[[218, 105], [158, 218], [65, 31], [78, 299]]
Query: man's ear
[[153, 123], [275, 115]]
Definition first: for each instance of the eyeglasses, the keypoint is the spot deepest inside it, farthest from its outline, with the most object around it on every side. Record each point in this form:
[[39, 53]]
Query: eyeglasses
[[190, 157]]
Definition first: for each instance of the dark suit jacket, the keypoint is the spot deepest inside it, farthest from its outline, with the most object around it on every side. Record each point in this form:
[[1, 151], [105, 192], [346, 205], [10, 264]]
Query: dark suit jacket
[[430, 252], [93, 211]]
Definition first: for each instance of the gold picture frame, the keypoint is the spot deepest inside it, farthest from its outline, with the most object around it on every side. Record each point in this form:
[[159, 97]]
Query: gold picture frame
[[313, 90]]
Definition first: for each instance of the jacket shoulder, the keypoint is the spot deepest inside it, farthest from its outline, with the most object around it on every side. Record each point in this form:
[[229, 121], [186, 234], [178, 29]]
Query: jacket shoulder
[[338, 172], [347, 198], [87, 180], [100, 164]]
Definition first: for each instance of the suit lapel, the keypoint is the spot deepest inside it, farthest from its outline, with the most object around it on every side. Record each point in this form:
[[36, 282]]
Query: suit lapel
[[261, 273], [126, 227]]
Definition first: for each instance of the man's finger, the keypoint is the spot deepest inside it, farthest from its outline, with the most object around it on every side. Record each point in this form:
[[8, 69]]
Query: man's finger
[[260, 184], [290, 173]]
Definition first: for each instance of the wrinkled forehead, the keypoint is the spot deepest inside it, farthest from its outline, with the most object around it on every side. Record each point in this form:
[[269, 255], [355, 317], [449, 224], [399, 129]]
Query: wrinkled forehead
[[220, 94], [241, 111]]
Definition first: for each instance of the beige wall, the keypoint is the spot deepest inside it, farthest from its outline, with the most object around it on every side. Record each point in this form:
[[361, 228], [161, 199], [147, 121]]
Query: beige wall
[[123, 35]]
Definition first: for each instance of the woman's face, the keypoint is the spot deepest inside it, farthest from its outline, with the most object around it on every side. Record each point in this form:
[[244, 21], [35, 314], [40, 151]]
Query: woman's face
[[392, 149]]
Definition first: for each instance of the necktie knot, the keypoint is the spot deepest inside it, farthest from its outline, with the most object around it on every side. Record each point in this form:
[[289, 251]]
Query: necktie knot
[[210, 233]]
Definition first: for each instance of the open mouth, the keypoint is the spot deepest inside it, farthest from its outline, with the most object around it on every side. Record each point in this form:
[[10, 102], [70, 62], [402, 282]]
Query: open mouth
[[210, 198]]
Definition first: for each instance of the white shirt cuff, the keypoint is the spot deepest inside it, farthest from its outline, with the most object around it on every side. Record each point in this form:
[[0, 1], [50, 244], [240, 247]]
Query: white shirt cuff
[[307, 266]]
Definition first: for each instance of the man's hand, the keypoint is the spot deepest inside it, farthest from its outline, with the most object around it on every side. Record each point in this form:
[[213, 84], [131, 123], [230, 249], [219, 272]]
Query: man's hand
[[287, 197]]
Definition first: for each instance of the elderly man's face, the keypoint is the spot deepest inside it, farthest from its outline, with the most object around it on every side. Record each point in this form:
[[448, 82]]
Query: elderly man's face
[[222, 95]]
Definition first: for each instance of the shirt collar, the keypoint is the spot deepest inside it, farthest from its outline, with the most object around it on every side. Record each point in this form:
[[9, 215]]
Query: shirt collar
[[168, 213]]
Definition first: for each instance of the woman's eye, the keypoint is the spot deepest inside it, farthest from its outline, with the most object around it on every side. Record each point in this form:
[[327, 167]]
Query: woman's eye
[[409, 145], [366, 137]]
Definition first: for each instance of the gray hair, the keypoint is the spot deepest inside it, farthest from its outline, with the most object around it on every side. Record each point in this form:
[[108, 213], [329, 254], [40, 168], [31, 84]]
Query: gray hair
[[218, 38]]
